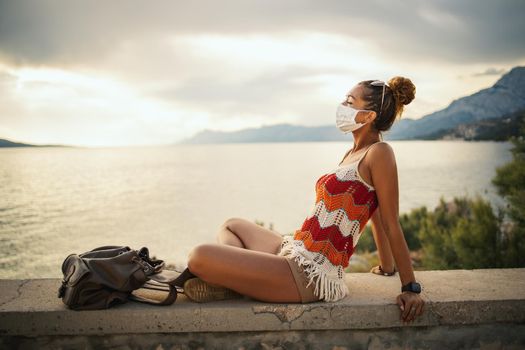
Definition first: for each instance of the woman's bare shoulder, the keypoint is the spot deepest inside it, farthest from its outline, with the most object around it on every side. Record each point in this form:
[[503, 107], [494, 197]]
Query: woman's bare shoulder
[[382, 154]]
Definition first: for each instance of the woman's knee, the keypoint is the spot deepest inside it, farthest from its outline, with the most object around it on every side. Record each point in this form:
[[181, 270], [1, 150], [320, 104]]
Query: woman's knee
[[230, 223], [198, 257]]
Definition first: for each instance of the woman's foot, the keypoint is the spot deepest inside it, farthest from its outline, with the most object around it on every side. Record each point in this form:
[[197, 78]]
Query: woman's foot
[[378, 270], [201, 292]]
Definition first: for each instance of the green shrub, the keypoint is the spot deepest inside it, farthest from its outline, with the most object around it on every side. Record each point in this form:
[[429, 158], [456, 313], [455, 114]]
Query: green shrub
[[463, 233]]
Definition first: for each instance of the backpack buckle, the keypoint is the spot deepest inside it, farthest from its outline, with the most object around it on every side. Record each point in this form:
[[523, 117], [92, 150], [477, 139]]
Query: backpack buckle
[[148, 269]]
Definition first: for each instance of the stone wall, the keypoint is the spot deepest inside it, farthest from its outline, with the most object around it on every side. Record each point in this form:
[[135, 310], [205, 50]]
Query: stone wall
[[465, 309]]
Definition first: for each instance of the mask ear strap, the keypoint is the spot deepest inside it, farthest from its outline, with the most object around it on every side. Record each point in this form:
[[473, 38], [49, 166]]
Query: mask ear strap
[[368, 113]]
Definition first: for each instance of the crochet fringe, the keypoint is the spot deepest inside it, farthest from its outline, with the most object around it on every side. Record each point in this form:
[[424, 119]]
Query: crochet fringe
[[329, 288]]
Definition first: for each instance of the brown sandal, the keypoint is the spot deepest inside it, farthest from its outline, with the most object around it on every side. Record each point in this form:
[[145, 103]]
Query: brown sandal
[[382, 272], [201, 292]]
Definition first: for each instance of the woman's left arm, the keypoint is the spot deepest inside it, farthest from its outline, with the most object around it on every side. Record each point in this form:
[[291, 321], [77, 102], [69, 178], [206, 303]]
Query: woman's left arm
[[384, 177]]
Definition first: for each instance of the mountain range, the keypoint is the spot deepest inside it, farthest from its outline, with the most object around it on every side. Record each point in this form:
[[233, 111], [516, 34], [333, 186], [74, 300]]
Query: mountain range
[[494, 129], [502, 100], [7, 143]]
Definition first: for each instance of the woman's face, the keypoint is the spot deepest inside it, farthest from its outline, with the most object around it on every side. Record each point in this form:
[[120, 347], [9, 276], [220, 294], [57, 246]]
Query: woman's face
[[354, 100]]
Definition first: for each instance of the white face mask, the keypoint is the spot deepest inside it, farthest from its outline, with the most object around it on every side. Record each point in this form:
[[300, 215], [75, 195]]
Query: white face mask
[[345, 119]]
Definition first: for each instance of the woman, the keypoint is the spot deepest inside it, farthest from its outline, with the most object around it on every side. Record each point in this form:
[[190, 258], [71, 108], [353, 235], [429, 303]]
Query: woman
[[310, 265]]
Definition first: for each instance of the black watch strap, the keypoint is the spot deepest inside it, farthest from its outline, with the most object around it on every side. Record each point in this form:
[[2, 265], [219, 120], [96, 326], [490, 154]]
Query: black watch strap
[[413, 287]]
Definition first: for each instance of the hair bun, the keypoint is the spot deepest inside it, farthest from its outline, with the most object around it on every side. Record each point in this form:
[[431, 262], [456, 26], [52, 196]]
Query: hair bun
[[403, 89]]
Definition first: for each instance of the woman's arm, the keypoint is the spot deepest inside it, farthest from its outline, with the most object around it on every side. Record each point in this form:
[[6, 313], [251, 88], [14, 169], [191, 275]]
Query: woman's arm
[[384, 177], [386, 260]]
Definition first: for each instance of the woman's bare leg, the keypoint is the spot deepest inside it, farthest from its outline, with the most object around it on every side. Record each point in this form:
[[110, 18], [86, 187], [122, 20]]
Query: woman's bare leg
[[259, 275], [253, 270]]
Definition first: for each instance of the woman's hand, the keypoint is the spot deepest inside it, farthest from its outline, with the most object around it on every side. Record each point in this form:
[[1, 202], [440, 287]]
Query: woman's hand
[[411, 306]]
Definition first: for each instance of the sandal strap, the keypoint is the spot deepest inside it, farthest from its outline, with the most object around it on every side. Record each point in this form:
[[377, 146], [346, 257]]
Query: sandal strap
[[387, 273]]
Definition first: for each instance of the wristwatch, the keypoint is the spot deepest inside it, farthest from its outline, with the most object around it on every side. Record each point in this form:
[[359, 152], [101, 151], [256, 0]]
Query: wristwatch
[[413, 287]]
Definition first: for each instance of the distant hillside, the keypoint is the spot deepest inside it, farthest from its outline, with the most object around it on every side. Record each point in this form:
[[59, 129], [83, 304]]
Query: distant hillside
[[273, 133], [496, 129], [506, 96], [7, 143]]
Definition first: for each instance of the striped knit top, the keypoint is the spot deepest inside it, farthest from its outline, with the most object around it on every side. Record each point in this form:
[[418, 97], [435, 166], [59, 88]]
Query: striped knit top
[[323, 245]]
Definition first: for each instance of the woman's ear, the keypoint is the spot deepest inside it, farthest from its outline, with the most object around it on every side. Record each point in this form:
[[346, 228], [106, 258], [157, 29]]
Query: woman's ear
[[371, 116]]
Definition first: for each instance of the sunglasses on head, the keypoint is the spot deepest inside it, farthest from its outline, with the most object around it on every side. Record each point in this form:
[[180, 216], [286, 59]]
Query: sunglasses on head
[[383, 84]]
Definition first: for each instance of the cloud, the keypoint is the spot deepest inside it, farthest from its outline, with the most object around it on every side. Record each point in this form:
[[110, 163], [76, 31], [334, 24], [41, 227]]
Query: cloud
[[265, 77], [46, 106], [268, 95], [490, 71], [78, 32]]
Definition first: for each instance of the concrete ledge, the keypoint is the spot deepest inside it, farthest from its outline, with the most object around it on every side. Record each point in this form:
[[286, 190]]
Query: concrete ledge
[[456, 299]]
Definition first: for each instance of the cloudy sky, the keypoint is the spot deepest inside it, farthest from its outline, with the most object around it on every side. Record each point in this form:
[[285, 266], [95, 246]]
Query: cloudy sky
[[115, 73]]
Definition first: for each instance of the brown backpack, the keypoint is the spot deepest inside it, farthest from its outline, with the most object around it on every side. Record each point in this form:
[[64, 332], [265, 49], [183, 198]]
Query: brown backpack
[[108, 275]]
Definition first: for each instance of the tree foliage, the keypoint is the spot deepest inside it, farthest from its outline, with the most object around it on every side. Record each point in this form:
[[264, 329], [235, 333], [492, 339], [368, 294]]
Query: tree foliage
[[510, 182], [463, 233]]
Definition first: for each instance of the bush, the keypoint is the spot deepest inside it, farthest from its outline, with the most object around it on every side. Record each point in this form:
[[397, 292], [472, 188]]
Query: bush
[[463, 233], [366, 242], [510, 182]]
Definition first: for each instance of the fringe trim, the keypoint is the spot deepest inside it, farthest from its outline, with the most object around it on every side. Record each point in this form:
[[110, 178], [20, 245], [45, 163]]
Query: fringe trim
[[328, 286]]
